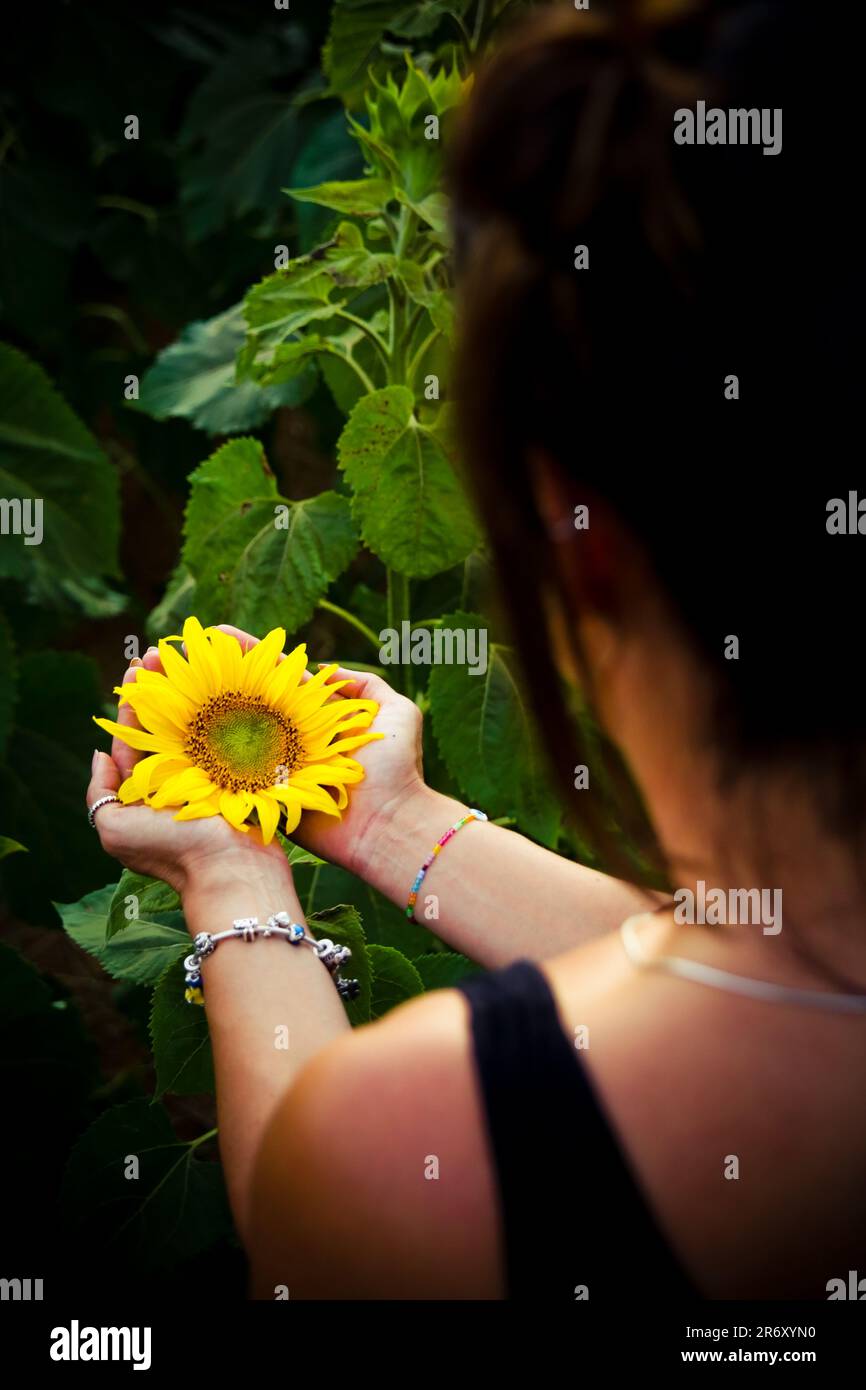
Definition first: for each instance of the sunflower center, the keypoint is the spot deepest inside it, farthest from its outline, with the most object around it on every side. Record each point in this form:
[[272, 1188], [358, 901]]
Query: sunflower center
[[242, 743]]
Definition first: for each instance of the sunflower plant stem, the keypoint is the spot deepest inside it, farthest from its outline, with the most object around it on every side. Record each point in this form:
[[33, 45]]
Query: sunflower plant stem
[[398, 613], [419, 356], [356, 368], [328, 607], [381, 348], [202, 1138]]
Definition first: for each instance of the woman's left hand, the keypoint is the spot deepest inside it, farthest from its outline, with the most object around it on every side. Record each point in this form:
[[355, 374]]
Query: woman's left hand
[[152, 842]]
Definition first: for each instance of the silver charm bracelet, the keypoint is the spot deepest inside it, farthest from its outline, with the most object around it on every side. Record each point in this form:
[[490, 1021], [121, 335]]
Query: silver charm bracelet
[[279, 924]]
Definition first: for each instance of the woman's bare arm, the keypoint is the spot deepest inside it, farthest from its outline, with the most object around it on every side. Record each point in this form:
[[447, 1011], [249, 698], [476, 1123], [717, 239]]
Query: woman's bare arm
[[491, 894], [271, 1007]]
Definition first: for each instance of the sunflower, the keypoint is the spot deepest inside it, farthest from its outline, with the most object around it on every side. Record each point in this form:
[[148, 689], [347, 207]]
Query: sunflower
[[241, 734]]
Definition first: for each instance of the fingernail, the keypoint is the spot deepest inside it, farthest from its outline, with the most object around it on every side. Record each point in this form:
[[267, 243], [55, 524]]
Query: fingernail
[[93, 762], [152, 649], [136, 661]]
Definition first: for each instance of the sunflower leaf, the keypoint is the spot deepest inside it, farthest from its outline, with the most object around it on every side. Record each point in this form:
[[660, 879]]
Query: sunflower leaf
[[143, 949], [194, 378], [354, 197], [255, 555], [171, 1207], [408, 501], [394, 979], [53, 468], [443, 969], [180, 1037], [342, 925], [487, 738], [138, 896]]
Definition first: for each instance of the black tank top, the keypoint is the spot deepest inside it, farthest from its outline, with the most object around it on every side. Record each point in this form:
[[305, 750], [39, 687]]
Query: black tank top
[[575, 1221]]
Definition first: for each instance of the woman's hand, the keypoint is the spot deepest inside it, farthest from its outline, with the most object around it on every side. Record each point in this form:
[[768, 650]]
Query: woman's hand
[[152, 842]]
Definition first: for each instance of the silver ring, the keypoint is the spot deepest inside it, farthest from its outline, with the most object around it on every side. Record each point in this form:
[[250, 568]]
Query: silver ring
[[103, 801]]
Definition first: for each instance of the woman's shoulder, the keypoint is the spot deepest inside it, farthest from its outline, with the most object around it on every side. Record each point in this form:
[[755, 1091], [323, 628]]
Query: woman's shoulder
[[373, 1179]]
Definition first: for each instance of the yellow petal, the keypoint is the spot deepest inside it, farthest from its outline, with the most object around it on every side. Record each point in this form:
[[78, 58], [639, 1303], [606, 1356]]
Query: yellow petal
[[181, 674], [269, 816], [201, 656], [136, 738], [197, 809], [235, 806], [342, 745], [260, 660], [189, 785], [155, 715], [229, 655], [308, 798], [159, 689], [332, 715], [281, 685]]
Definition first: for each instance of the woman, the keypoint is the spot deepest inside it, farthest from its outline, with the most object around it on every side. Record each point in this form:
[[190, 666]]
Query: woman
[[571, 1123]]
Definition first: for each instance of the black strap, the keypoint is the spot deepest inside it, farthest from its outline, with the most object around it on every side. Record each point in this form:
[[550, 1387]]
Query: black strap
[[572, 1212]]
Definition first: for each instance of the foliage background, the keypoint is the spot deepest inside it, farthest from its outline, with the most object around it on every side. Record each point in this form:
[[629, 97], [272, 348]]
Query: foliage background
[[156, 258]]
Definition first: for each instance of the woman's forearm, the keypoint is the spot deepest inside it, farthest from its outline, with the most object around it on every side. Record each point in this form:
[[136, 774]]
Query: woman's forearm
[[495, 895], [270, 1005]]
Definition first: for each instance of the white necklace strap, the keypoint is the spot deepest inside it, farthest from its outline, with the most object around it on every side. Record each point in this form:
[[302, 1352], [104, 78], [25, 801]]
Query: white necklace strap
[[762, 990]]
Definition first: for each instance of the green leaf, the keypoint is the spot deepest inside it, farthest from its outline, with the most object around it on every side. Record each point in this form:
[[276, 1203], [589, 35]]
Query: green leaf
[[8, 847], [354, 197], [394, 979], [295, 854], [425, 16], [174, 1209], [385, 924], [443, 969], [255, 555], [342, 925], [194, 378], [328, 152], [357, 28], [310, 289], [150, 896], [407, 500], [181, 1041], [48, 456], [141, 952], [488, 740], [241, 134], [400, 143]]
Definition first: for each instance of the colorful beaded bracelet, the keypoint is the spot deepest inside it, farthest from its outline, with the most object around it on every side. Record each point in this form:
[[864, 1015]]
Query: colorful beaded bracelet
[[439, 845], [247, 929]]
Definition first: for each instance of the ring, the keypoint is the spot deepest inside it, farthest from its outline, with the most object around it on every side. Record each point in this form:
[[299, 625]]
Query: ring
[[103, 801]]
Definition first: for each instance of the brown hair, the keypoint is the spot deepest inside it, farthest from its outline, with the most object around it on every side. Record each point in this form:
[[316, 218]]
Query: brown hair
[[617, 372]]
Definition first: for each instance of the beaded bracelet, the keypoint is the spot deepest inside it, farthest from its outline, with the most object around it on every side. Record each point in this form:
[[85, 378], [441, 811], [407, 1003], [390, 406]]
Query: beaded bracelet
[[247, 929], [439, 845]]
